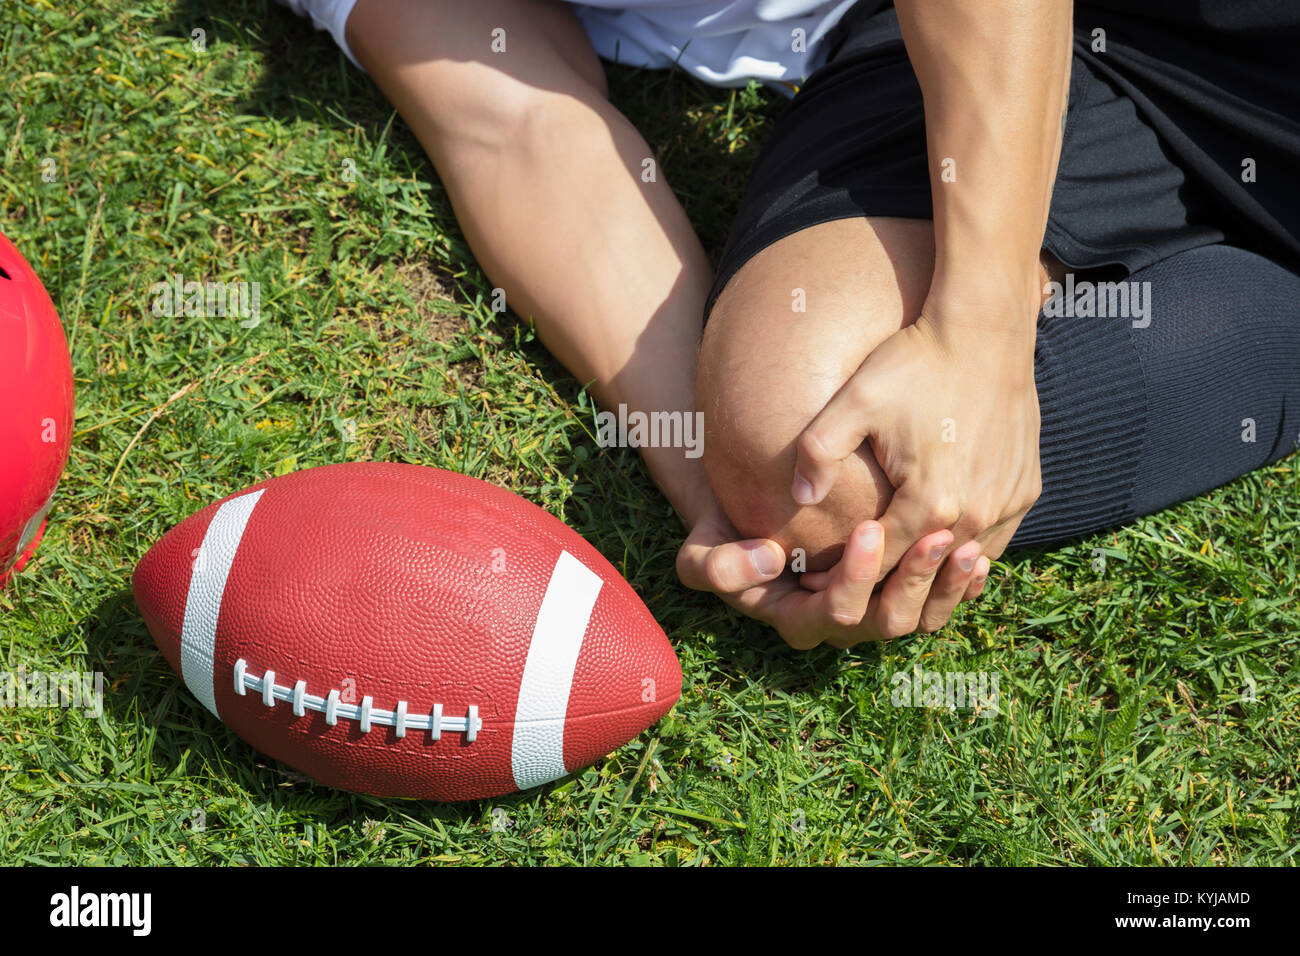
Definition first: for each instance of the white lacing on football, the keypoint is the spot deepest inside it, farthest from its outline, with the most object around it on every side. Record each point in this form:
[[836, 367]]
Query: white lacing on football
[[365, 713]]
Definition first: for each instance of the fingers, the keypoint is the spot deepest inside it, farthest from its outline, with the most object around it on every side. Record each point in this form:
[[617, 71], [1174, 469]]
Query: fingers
[[918, 507], [976, 586], [896, 610], [805, 619], [727, 568], [849, 592], [913, 511], [832, 436], [950, 587], [917, 596]]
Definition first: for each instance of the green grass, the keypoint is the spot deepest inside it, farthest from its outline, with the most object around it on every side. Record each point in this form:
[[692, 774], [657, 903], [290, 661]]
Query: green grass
[[1125, 734]]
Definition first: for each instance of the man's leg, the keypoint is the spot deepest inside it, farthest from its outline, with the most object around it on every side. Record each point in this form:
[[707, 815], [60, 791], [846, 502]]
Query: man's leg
[[786, 332], [546, 178], [1134, 419], [1198, 386]]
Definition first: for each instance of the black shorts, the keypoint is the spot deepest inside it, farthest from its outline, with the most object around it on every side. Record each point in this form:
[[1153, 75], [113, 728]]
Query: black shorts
[[1163, 132]]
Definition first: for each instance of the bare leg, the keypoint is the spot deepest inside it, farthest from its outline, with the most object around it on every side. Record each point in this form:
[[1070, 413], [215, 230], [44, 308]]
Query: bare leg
[[766, 370], [546, 180]]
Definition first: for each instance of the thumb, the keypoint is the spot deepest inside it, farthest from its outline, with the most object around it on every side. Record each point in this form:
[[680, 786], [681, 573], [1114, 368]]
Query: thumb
[[728, 568], [833, 435]]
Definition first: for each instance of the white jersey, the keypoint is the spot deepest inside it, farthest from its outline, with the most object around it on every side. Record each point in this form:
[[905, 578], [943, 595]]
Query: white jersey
[[722, 42]]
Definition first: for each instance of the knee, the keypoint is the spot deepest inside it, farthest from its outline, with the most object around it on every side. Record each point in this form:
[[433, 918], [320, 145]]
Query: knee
[[757, 398]]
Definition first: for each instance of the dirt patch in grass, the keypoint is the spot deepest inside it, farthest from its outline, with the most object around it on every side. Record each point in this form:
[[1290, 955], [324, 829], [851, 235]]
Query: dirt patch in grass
[[441, 319]]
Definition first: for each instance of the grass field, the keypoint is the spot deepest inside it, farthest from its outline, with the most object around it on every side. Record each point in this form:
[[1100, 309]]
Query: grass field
[[1149, 708]]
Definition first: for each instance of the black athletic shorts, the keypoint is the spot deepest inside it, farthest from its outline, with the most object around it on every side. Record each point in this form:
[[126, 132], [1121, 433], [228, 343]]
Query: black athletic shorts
[[1182, 131]]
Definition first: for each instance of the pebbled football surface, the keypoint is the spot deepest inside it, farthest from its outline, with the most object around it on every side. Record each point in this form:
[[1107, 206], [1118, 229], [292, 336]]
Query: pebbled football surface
[[405, 631]]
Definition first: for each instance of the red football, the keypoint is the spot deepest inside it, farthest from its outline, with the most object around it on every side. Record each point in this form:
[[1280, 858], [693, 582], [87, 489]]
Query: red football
[[405, 632]]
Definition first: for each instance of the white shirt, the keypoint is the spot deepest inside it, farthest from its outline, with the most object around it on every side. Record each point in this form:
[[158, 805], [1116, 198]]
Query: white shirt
[[722, 42]]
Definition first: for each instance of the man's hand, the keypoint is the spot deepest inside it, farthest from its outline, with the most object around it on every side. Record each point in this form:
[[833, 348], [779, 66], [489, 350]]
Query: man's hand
[[951, 413], [840, 609]]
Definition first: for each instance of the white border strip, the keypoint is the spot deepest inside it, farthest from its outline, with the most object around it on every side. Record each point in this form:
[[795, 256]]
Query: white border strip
[[538, 750], [210, 569]]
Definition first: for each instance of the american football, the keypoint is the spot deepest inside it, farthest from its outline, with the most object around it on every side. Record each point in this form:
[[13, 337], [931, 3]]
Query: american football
[[405, 631]]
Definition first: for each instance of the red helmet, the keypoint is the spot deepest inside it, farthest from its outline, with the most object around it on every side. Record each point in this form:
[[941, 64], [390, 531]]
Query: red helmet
[[35, 408]]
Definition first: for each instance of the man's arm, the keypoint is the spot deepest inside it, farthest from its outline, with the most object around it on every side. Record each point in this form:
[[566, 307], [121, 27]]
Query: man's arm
[[994, 77], [949, 404]]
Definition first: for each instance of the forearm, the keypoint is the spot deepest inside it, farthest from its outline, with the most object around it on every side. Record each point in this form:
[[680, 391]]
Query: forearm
[[994, 77]]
